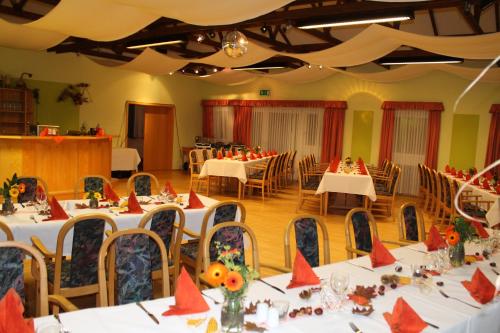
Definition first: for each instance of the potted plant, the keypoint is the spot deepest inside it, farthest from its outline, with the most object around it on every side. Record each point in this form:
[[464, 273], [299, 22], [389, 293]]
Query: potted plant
[[10, 192], [459, 232], [94, 197]]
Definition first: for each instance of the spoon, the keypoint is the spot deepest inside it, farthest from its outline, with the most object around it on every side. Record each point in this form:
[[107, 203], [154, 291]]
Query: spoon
[[33, 218]]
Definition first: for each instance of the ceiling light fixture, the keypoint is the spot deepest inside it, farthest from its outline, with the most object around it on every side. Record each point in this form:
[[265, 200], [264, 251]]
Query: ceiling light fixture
[[235, 44], [356, 22], [257, 68], [264, 29], [199, 37], [421, 62], [141, 46]]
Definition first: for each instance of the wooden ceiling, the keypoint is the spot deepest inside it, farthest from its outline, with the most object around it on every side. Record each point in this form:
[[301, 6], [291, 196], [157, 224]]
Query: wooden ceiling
[[277, 30]]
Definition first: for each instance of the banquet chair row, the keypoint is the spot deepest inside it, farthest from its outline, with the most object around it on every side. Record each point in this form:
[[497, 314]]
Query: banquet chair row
[[309, 178], [197, 158], [386, 193]]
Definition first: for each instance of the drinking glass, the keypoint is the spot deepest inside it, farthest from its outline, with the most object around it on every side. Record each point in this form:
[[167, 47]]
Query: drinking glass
[[339, 281]]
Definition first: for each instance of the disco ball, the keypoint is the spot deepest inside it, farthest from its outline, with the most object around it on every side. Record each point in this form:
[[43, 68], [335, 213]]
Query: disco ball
[[235, 44]]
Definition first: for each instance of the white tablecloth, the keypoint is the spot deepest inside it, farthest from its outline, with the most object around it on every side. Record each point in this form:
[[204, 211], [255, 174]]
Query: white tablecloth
[[23, 227], [227, 168], [448, 314], [352, 183], [124, 159]]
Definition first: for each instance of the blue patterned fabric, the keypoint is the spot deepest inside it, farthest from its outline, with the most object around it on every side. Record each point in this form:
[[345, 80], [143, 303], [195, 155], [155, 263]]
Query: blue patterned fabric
[[448, 192], [11, 271], [232, 236], [142, 185], [394, 178], [194, 159], [474, 211], [162, 224], [410, 221], [190, 249], [133, 269], [362, 232], [94, 184], [30, 192], [306, 237]]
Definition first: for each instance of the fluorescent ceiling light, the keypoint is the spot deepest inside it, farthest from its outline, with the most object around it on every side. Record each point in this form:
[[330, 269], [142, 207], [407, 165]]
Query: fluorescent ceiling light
[[170, 42], [422, 62], [257, 68], [356, 22]]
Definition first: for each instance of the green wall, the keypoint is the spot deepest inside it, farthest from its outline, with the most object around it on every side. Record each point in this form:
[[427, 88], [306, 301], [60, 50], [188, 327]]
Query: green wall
[[464, 140], [362, 125]]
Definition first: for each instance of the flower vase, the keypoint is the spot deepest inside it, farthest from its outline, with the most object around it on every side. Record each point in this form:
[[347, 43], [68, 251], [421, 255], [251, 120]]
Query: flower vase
[[8, 207], [457, 254], [232, 314], [94, 203]]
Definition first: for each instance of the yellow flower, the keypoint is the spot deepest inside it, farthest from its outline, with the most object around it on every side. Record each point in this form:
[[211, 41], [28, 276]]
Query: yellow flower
[[97, 195], [14, 192], [86, 195]]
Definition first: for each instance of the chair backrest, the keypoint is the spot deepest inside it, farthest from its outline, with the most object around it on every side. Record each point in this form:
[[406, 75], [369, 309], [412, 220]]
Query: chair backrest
[[12, 255], [291, 161], [420, 175], [31, 183], [88, 235], [270, 167], [445, 185], [163, 223], [307, 240], [6, 230], [411, 223], [229, 228], [91, 183], [396, 176], [129, 260], [143, 183], [360, 226], [302, 177], [428, 180], [194, 162], [436, 187]]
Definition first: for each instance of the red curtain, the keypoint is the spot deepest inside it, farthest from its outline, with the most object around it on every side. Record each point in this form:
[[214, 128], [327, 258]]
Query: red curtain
[[208, 121], [493, 149], [397, 105], [333, 134], [386, 137], [433, 128], [242, 128]]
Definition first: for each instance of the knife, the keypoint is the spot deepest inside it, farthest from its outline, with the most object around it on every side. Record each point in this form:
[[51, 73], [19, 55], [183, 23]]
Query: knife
[[270, 285], [152, 316], [355, 328]]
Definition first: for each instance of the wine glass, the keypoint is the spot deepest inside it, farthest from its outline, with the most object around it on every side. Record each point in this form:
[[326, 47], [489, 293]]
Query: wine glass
[[339, 281], [41, 199]]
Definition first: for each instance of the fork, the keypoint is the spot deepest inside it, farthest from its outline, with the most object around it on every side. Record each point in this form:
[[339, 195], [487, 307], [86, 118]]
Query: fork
[[63, 329], [458, 299], [216, 302], [33, 218]]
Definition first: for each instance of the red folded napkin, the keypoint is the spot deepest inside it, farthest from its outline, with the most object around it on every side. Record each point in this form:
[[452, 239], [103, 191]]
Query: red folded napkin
[[453, 171], [334, 165], [380, 256], [229, 154], [434, 241], [11, 315], [39, 192], [467, 177], [497, 189], [460, 174], [480, 229], [56, 211], [100, 132], [447, 168], [259, 155], [133, 205], [486, 184], [168, 188], [476, 181], [274, 152], [488, 175], [194, 201], [252, 156], [480, 288], [244, 158], [188, 298], [302, 274], [219, 155], [109, 194], [44, 132], [404, 319]]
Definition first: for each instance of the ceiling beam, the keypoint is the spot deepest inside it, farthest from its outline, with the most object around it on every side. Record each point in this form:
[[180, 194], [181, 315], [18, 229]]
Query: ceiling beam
[[276, 44], [107, 55], [497, 15], [433, 22], [19, 13], [469, 18], [325, 35]]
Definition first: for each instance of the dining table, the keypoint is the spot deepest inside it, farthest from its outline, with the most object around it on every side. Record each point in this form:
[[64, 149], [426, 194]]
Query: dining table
[[26, 222], [459, 313]]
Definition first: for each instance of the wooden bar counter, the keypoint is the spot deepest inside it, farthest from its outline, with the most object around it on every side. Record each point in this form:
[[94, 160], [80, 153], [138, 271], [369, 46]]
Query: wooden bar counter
[[59, 160]]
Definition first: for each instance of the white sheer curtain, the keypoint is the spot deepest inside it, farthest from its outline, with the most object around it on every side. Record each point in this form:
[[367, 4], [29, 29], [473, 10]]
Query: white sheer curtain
[[408, 149], [223, 123], [288, 128]]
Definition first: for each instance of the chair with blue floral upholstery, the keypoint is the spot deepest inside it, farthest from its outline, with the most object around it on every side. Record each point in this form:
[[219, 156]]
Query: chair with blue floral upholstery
[[307, 240], [226, 211], [30, 185], [143, 184], [360, 227], [195, 164], [411, 224], [125, 259], [76, 275], [472, 204], [308, 185], [94, 183], [383, 206], [162, 221], [6, 230]]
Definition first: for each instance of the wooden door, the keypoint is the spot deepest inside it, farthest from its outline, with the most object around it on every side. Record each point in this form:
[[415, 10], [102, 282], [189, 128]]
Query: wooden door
[[158, 137]]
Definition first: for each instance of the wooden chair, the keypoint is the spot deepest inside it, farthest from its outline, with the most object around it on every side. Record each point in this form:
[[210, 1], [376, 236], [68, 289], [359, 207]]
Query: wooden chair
[[360, 227], [260, 177], [410, 224], [382, 182], [429, 190], [421, 185], [290, 167], [470, 203], [445, 205], [125, 258], [385, 199], [91, 183], [12, 258], [76, 275], [195, 168], [306, 240], [191, 252], [162, 221], [308, 185], [142, 183], [6, 230], [31, 183]]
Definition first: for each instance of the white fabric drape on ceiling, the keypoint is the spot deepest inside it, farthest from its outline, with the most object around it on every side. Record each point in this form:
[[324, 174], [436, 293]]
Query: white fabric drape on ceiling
[[223, 123], [408, 149], [288, 128]]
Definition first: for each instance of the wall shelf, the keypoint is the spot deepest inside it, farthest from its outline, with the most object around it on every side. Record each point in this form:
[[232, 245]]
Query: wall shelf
[[16, 111]]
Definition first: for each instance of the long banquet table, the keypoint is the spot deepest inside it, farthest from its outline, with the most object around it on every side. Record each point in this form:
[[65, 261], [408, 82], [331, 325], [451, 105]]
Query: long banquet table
[[23, 224], [450, 315]]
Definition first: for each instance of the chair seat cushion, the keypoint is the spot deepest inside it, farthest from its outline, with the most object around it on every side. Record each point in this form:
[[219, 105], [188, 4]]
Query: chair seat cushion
[[311, 185], [190, 249], [386, 193], [65, 273], [474, 210], [379, 187], [256, 175]]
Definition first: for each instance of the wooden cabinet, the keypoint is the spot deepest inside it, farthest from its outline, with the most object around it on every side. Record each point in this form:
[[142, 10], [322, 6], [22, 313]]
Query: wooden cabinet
[[16, 111]]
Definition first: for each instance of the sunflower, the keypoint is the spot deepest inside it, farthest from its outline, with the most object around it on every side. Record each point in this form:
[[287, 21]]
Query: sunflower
[[22, 187], [216, 274], [234, 281], [97, 195], [452, 238], [85, 195], [13, 192]]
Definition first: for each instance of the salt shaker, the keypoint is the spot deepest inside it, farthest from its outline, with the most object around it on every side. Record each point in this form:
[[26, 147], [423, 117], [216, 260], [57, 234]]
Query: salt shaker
[[262, 312], [273, 317]]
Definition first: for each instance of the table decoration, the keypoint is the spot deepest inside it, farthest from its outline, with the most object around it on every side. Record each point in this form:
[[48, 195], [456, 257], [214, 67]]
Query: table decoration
[[302, 274], [133, 205], [380, 256], [404, 319], [94, 197], [109, 194], [56, 211], [480, 288], [456, 235], [434, 241], [188, 299], [194, 202], [11, 190], [11, 318]]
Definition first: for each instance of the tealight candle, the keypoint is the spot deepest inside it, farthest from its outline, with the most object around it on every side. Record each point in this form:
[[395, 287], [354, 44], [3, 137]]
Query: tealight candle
[[262, 312]]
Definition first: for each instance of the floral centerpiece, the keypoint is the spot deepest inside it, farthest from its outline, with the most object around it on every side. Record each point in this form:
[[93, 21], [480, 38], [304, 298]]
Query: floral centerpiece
[[94, 197], [348, 161], [11, 190], [233, 279], [457, 234]]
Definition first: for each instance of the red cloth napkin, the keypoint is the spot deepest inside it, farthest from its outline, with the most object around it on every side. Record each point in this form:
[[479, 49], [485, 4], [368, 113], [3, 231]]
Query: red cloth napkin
[[194, 201], [219, 155], [244, 158], [453, 171], [480, 229], [100, 132], [480, 288], [274, 152], [486, 184], [56, 211], [488, 175], [447, 168], [252, 156], [497, 189], [168, 188], [259, 155], [39, 192], [229, 154], [11, 315], [476, 181], [109, 194], [188, 298], [334, 165], [133, 205], [302, 274], [434, 241], [467, 177], [44, 132], [460, 174], [404, 319], [380, 256]]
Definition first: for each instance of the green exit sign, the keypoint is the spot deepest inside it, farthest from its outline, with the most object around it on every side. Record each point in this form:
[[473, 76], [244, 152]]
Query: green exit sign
[[265, 92]]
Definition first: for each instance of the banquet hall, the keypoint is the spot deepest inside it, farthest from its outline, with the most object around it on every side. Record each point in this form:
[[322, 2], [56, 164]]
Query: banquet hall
[[249, 166]]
